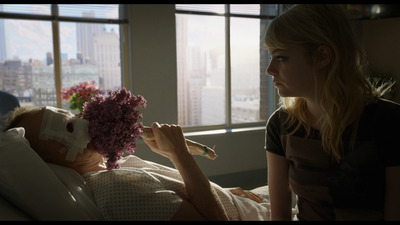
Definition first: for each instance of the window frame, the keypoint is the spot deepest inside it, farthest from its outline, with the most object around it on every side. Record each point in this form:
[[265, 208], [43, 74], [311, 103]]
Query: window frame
[[55, 18], [228, 125]]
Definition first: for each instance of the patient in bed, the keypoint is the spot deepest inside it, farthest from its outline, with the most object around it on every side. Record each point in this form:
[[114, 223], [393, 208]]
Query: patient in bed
[[140, 189]]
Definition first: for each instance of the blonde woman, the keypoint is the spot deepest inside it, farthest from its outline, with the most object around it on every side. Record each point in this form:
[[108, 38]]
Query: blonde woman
[[333, 141]]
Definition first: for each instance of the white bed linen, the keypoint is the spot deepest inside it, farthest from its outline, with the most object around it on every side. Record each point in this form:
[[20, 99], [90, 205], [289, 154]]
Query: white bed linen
[[27, 182], [158, 179], [9, 212]]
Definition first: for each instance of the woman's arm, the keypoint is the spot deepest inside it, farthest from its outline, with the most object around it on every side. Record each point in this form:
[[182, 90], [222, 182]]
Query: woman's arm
[[170, 142], [392, 196], [280, 192]]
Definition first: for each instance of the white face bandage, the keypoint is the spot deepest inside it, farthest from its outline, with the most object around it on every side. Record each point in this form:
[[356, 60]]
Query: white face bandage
[[54, 126]]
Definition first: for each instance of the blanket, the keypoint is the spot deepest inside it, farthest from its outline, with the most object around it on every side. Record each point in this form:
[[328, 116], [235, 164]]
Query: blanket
[[144, 190]]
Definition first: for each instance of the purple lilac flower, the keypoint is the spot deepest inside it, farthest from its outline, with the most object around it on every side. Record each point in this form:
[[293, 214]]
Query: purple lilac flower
[[113, 123]]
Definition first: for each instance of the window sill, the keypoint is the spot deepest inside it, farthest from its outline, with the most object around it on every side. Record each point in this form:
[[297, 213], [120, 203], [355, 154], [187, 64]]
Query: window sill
[[223, 131]]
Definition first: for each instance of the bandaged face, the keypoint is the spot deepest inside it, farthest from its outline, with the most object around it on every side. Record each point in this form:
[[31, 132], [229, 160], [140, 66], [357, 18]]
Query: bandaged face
[[62, 126]]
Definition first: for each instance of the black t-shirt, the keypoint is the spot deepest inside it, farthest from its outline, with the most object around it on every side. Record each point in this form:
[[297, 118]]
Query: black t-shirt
[[358, 181]]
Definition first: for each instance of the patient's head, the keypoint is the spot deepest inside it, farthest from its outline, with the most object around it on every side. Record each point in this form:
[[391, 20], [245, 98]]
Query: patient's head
[[60, 133]]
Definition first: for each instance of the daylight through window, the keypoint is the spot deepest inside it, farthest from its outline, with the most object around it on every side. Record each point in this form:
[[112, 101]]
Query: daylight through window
[[222, 63], [84, 39]]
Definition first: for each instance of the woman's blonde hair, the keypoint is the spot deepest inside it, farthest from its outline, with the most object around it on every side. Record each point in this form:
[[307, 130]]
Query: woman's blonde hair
[[342, 87]]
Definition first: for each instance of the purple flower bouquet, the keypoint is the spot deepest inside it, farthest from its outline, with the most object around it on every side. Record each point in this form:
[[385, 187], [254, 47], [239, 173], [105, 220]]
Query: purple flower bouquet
[[113, 123]]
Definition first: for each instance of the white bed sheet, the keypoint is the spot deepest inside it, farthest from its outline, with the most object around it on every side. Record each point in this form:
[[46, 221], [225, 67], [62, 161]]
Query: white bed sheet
[[149, 179]]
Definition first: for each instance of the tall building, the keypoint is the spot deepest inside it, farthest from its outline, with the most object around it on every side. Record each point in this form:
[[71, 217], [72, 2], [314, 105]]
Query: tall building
[[183, 80], [64, 57], [98, 47], [49, 58], [201, 78], [213, 93], [201, 101], [2, 38], [16, 76], [106, 51], [197, 76], [85, 34]]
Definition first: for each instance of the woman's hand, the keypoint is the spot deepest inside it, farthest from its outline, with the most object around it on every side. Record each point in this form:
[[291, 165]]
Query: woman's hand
[[168, 140], [246, 194]]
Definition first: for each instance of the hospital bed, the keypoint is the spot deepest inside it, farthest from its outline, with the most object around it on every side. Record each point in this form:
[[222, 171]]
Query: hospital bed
[[31, 189]]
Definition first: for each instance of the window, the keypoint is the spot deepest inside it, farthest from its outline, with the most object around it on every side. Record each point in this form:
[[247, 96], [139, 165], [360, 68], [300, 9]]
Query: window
[[222, 63], [47, 47]]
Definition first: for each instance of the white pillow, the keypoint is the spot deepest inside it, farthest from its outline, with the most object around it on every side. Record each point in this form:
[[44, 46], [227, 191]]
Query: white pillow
[[27, 182], [9, 212], [78, 188]]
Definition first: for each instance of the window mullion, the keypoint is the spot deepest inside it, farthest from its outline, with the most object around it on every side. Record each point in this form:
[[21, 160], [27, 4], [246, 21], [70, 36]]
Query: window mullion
[[123, 39], [125, 56], [228, 111], [57, 53]]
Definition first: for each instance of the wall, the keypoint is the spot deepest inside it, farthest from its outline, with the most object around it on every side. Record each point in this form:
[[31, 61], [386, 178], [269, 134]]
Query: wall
[[381, 39], [241, 157]]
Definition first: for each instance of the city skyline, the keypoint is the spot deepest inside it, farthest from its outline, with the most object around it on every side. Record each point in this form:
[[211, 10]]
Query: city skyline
[[32, 39], [203, 74], [89, 52]]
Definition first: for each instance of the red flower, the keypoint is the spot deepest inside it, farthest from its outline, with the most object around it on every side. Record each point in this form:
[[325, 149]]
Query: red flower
[[79, 94]]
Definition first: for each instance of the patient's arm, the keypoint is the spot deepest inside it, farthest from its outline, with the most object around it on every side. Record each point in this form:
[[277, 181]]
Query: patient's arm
[[195, 148], [246, 194], [170, 142]]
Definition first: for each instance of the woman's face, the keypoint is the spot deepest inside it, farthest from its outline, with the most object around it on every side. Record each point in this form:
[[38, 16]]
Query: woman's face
[[292, 72], [49, 149]]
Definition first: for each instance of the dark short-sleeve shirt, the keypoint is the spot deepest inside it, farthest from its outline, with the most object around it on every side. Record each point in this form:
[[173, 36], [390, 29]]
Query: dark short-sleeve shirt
[[358, 181]]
